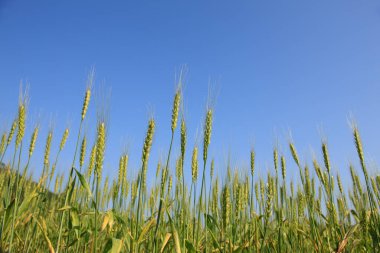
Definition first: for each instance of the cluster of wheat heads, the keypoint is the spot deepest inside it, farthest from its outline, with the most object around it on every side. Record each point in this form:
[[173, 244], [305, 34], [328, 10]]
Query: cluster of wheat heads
[[80, 211]]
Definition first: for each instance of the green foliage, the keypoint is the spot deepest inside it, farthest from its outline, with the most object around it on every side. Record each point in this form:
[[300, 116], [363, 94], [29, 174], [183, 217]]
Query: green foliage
[[243, 214]]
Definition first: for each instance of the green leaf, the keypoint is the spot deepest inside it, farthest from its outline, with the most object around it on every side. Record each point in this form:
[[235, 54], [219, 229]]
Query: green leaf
[[356, 216], [211, 222], [26, 202], [146, 229], [9, 212], [86, 235], [189, 246], [113, 246], [84, 183], [71, 189], [93, 205], [119, 219], [216, 243], [64, 208], [74, 218], [177, 244]]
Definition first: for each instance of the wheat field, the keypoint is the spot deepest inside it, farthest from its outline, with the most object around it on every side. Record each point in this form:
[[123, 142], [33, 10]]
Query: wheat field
[[81, 211]]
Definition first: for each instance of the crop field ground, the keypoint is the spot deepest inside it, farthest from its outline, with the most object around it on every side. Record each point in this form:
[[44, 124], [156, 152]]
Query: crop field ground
[[80, 211]]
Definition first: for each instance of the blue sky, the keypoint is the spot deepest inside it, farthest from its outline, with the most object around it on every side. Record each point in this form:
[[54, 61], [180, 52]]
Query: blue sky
[[276, 66]]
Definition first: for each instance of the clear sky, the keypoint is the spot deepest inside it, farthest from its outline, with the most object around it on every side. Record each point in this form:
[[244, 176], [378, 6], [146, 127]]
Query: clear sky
[[277, 66]]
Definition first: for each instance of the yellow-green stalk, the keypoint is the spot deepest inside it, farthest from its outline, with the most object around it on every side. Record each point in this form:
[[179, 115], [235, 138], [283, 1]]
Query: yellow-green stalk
[[100, 149], [146, 150], [206, 143], [9, 138], [226, 207], [12, 131], [326, 158], [175, 110], [194, 177], [142, 175], [82, 152], [170, 185], [359, 149], [121, 171], [296, 159], [194, 165], [133, 191], [207, 133], [64, 139], [164, 176], [252, 167], [47, 149], [61, 147], [178, 169], [294, 153], [32, 146], [340, 186], [212, 168], [283, 167], [2, 144], [183, 138], [183, 151], [33, 140], [275, 159], [20, 124], [84, 110], [99, 159], [91, 164], [86, 102], [56, 185], [124, 181], [19, 137], [252, 162]]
